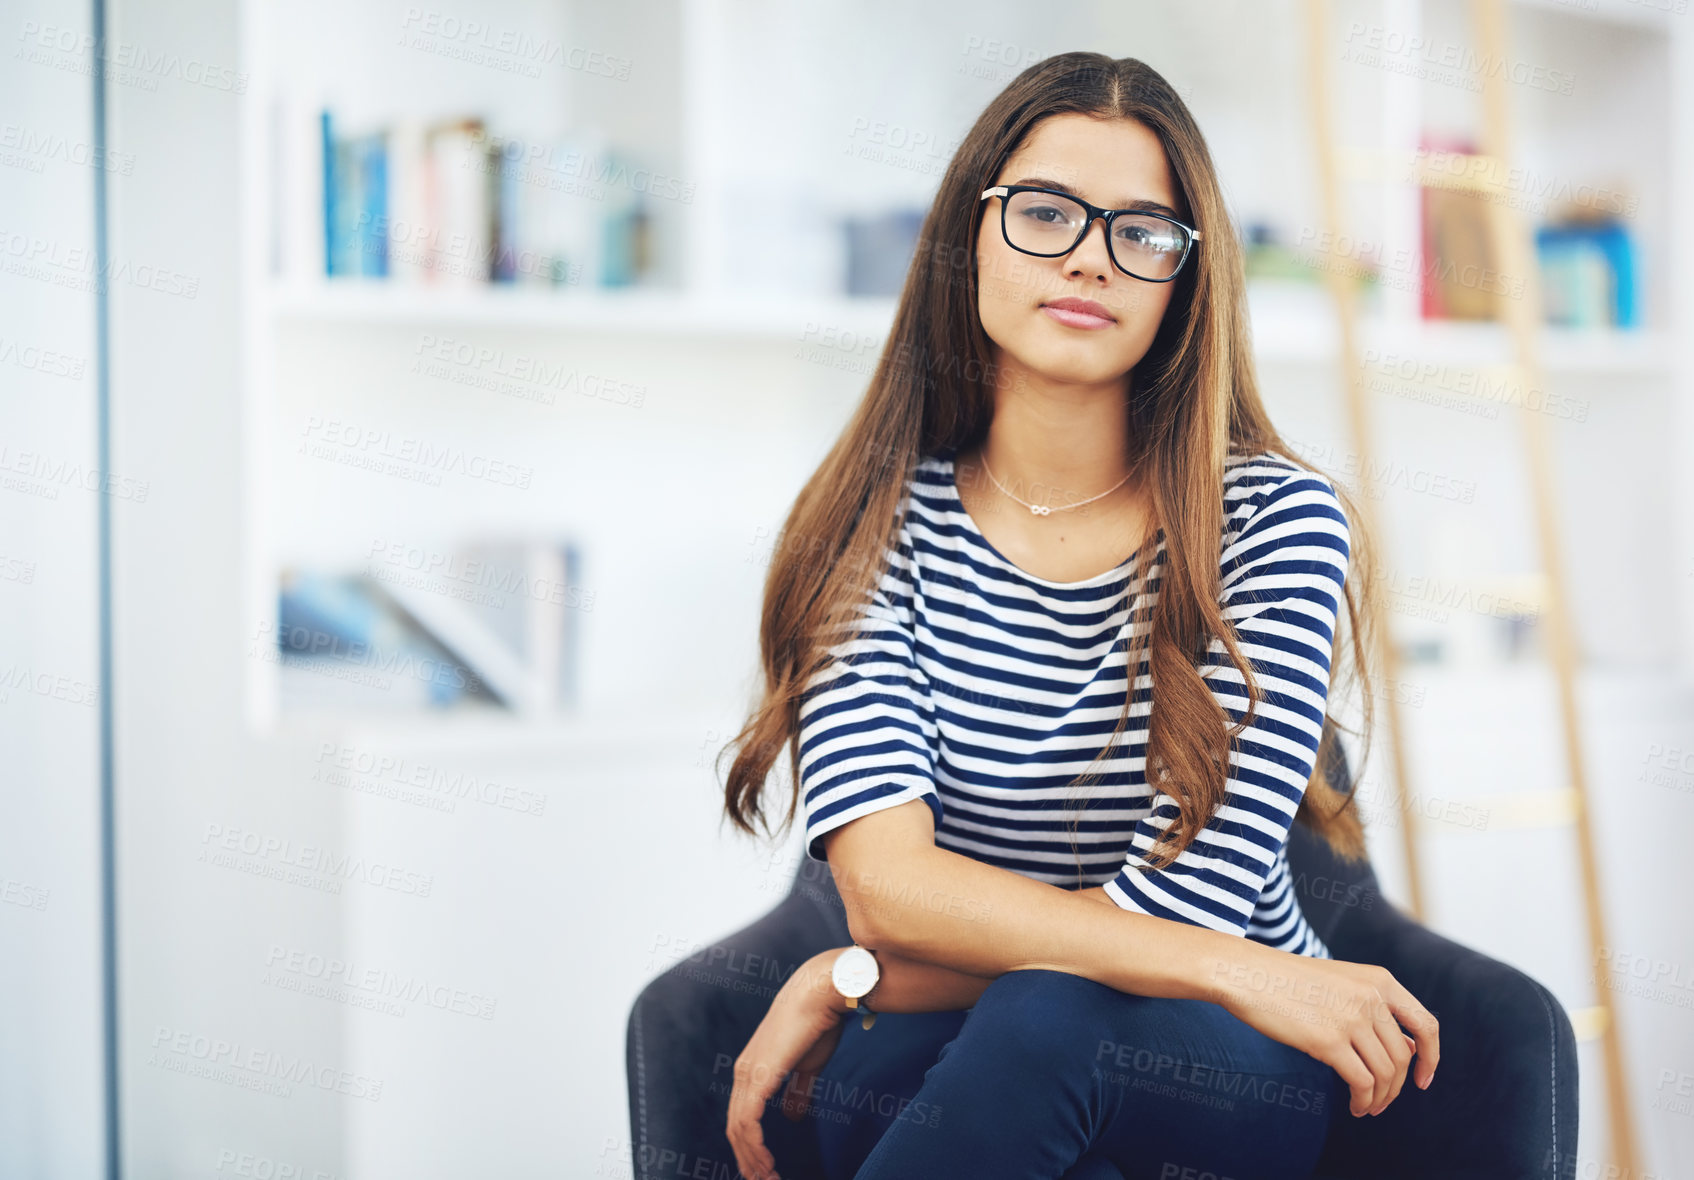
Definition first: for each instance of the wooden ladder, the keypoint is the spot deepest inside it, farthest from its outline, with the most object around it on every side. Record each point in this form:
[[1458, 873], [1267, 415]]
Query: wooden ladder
[[1510, 241]]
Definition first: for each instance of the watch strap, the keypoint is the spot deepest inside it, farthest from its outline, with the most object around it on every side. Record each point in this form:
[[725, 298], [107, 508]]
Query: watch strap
[[863, 1002]]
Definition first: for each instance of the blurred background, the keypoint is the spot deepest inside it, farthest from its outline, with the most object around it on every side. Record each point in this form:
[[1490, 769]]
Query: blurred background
[[417, 390]]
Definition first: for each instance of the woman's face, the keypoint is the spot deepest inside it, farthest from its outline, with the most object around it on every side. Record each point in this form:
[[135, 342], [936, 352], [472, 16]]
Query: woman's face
[[1113, 163]]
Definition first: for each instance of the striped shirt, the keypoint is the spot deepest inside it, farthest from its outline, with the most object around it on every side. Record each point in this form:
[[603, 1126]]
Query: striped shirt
[[982, 690]]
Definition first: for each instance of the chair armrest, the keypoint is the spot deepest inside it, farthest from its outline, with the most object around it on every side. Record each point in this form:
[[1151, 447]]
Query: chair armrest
[[689, 1024], [1504, 1100]]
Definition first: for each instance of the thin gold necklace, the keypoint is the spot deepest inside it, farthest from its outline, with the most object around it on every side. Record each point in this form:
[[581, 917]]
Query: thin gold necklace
[[1047, 509]]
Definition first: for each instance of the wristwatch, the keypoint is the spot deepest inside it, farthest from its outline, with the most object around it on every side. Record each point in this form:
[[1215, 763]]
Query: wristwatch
[[855, 973]]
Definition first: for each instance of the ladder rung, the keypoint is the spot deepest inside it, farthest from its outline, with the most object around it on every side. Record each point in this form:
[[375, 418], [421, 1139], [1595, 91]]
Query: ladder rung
[[1517, 809], [1589, 1023], [1466, 171]]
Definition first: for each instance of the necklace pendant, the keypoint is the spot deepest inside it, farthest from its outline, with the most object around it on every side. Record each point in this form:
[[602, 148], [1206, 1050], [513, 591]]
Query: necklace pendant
[[1039, 509]]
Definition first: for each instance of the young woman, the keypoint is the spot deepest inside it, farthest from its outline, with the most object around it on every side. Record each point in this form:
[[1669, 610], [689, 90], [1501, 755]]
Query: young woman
[[1087, 954]]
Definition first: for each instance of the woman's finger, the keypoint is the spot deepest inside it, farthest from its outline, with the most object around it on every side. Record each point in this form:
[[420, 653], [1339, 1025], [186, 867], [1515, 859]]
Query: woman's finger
[[1419, 1024], [1395, 1044], [1425, 1031], [1346, 1062], [751, 1155], [747, 1141], [753, 1087], [1369, 1048]]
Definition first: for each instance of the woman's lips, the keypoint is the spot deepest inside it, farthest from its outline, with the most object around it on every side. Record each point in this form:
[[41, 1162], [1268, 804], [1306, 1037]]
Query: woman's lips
[[1073, 318]]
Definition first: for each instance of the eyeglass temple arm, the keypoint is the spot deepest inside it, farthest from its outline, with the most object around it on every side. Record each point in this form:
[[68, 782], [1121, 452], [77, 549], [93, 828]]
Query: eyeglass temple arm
[[999, 190]]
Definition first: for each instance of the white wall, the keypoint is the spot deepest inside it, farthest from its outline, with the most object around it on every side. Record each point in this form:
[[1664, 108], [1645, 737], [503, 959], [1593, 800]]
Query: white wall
[[195, 935], [51, 1071]]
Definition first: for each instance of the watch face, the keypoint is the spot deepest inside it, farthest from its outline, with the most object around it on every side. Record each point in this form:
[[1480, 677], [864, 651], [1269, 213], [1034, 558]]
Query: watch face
[[855, 971]]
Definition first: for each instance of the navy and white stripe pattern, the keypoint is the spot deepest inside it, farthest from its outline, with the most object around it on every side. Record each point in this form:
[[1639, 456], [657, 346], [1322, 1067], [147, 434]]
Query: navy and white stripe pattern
[[982, 690]]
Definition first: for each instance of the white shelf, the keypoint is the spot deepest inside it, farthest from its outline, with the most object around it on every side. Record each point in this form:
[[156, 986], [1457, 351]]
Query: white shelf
[[1295, 324], [471, 730], [651, 312], [1653, 15]]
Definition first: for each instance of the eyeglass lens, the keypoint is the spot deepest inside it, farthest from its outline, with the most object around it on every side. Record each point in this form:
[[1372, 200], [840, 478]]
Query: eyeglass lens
[[1046, 223]]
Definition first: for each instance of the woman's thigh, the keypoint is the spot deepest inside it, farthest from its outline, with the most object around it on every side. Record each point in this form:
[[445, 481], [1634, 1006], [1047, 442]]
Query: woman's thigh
[[1050, 1068], [871, 1082], [1227, 1099]]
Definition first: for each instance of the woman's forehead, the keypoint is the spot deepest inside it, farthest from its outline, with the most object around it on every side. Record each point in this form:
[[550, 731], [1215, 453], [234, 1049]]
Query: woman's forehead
[[1113, 163]]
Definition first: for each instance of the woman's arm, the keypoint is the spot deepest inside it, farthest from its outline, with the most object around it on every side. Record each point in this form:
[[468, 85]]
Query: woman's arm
[[903, 985], [908, 898], [911, 985]]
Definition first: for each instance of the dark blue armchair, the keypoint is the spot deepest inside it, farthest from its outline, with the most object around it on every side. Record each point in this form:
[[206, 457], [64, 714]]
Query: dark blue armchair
[[1504, 1106]]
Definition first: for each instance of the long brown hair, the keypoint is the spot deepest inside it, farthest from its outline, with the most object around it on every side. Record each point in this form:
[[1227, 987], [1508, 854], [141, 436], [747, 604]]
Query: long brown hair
[[1194, 399]]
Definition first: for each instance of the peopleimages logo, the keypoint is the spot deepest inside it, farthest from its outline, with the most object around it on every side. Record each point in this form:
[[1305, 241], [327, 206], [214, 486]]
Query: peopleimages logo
[[390, 452], [1428, 57], [41, 42], [337, 979], [511, 50], [252, 1067], [52, 472], [354, 764], [78, 267], [221, 844]]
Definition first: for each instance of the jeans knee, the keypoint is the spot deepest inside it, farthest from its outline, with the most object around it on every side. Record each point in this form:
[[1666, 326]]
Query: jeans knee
[[1042, 1019]]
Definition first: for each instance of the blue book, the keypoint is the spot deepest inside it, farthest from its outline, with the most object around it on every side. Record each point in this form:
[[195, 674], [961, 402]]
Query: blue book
[[349, 619], [355, 202], [1588, 274], [371, 220], [506, 191], [346, 208], [331, 253]]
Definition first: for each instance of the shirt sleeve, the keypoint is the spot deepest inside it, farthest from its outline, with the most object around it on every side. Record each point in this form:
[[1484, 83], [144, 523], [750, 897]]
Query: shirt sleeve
[[866, 722], [1282, 587]]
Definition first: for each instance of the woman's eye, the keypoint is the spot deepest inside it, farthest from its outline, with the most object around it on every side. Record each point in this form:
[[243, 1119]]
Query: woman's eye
[[1144, 238]]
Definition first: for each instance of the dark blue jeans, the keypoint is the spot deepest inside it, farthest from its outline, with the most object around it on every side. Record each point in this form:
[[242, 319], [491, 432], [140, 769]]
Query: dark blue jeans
[[1055, 1077]]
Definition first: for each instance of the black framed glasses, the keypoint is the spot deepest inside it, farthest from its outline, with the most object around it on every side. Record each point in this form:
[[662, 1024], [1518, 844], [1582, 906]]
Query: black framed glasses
[[1048, 223]]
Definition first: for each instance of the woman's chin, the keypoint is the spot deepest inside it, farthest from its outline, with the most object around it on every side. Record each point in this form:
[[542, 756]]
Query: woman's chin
[[1073, 362]]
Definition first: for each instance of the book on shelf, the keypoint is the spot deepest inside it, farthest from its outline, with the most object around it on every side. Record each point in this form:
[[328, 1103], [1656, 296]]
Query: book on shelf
[[451, 203], [1459, 275], [1585, 259], [491, 622], [341, 645], [1588, 274], [405, 218], [355, 189], [458, 208]]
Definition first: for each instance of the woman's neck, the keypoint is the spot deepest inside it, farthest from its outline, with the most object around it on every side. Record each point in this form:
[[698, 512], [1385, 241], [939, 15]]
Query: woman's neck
[[1063, 442]]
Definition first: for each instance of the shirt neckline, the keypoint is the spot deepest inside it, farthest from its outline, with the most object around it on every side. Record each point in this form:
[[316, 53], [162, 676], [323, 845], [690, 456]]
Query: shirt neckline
[[956, 506]]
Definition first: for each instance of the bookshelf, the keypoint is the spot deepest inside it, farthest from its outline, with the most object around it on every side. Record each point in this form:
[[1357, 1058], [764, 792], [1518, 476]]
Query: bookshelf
[[752, 302]]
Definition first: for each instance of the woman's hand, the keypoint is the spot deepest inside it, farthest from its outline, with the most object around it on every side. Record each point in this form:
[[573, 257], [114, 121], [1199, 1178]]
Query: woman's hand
[[1347, 1015], [798, 1034]]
